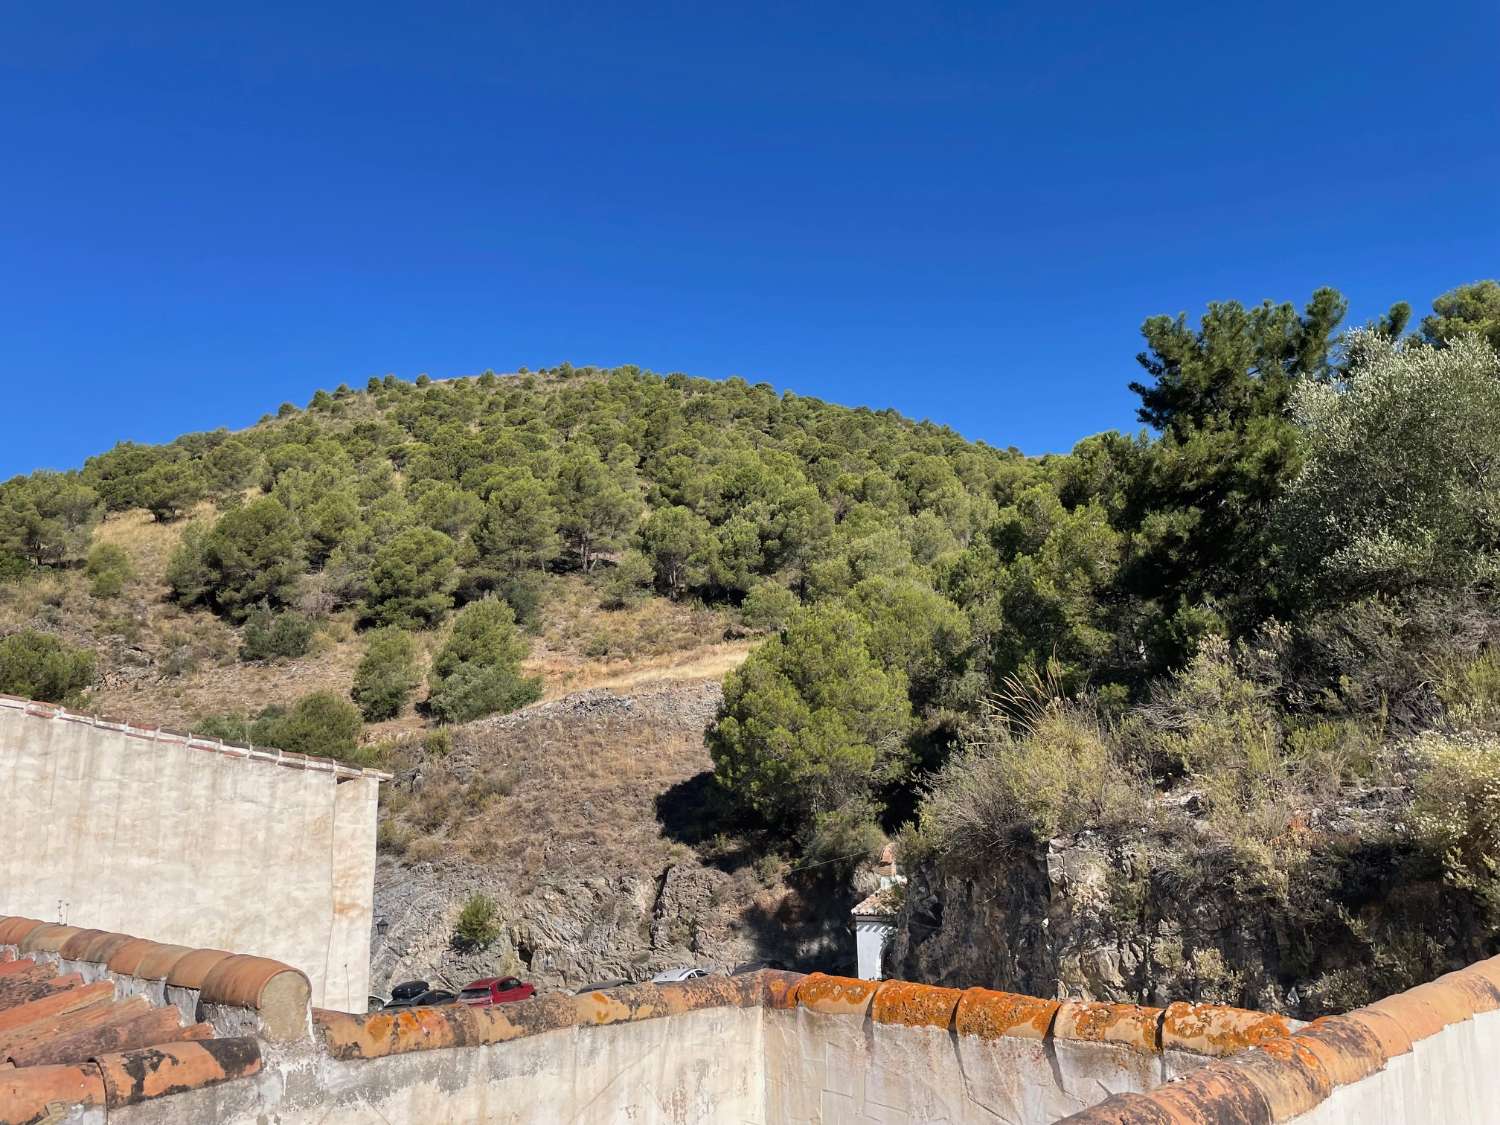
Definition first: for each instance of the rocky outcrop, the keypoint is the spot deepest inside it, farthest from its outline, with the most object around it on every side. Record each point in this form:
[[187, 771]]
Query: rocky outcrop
[[600, 851], [1150, 919]]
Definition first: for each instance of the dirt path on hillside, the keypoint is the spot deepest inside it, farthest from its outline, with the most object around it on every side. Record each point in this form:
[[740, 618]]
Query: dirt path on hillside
[[711, 662]]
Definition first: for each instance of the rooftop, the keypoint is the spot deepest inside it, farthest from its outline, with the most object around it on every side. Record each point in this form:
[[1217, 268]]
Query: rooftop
[[148, 732], [77, 1029]]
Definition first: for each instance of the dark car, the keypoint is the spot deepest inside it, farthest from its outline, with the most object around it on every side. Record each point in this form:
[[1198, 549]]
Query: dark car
[[757, 966], [487, 991], [429, 999], [601, 986], [409, 990]]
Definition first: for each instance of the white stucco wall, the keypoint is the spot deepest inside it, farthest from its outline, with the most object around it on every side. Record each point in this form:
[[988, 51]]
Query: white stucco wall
[[871, 936], [1450, 1077], [831, 1069], [154, 838], [715, 1066], [703, 1066]]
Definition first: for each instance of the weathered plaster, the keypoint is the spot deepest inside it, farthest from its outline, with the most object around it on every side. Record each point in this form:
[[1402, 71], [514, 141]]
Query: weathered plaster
[[161, 839]]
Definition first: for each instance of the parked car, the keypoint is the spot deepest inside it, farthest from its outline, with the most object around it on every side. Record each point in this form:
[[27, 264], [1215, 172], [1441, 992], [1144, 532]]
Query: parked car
[[409, 990], [486, 991], [429, 999], [677, 976], [600, 986], [757, 966]]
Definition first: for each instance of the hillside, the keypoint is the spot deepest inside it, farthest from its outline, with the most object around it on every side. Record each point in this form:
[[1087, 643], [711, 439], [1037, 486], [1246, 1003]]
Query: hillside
[[588, 821], [1218, 704]]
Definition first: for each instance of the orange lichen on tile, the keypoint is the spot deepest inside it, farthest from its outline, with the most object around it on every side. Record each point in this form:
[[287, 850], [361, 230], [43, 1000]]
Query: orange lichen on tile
[[836, 996], [1211, 1029], [1288, 1075], [377, 1034], [1128, 1024], [778, 989], [915, 1005], [988, 1014], [1347, 1049]]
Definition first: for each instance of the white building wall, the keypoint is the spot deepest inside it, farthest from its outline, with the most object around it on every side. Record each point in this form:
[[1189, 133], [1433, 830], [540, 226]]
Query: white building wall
[[109, 830], [871, 936], [1450, 1077]]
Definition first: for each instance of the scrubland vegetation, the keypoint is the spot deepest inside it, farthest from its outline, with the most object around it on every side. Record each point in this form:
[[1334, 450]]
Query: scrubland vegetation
[[1273, 603]]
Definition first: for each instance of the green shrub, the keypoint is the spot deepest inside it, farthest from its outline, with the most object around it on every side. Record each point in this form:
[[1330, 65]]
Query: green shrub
[[252, 556], [412, 579], [478, 924], [768, 605], [38, 666], [108, 570], [269, 635], [387, 674], [1470, 691], [322, 724], [810, 722], [626, 581], [1004, 789], [1455, 810], [844, 837], [478, 672]]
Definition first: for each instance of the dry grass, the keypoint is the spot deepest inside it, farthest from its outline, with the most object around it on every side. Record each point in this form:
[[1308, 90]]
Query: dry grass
[[711, 662], [171, 666], [555, 794]]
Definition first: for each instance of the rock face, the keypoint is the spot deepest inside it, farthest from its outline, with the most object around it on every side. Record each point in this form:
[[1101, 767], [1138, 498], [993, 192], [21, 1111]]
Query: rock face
[[1104, 918], [599, 851]]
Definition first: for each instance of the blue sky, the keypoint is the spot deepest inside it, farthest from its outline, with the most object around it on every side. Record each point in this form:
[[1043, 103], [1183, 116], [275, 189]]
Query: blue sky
[[961, 211]]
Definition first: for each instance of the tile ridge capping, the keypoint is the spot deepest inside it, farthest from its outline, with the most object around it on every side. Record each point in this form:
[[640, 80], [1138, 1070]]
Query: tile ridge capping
[[38, 710], [369, 1035], [978, 1012], [1211, 1030], [279, 992], [1284, 1077]]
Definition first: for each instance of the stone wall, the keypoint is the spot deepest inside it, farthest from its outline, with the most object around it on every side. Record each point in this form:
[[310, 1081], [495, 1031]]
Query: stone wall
[[149, 832]]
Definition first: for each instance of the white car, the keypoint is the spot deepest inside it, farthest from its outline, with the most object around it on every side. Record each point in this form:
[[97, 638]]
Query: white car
[[677, 976]]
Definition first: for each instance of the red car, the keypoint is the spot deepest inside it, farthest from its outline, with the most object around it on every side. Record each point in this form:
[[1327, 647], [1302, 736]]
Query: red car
[[496, 990]]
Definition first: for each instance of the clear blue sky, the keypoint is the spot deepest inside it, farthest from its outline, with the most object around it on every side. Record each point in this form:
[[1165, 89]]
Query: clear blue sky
[[962, 211]]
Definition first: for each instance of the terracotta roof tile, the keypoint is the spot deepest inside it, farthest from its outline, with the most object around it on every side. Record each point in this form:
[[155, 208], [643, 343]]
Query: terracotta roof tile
[[25, 1094], [990, 1015], [836, 995], [170, 1068], [1209, 1029], [154, 1025], [14, 929], [68, 994], [1130, 1024], [66, 1042], [915, 1005], [49, 938]]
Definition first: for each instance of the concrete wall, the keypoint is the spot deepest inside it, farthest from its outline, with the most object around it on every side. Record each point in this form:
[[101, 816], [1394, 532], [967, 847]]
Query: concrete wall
[[1450, 1077], [832, 1069], [729, 1065], [702, 1066], [116, 830]]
